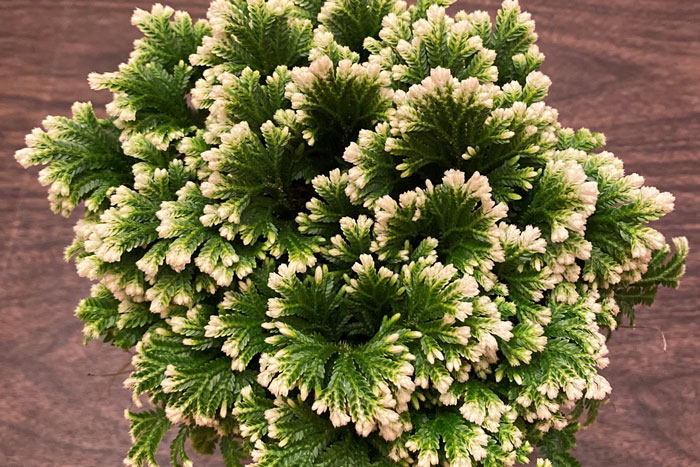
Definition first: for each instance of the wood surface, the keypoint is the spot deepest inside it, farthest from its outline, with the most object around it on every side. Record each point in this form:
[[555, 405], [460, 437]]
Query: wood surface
[[629, 68]]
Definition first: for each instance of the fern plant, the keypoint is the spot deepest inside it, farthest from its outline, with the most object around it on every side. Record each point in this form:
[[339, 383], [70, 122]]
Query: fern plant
[[351, 233]]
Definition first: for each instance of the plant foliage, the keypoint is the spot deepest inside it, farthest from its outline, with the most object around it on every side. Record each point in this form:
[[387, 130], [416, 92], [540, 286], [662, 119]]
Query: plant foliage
[[351, 233]]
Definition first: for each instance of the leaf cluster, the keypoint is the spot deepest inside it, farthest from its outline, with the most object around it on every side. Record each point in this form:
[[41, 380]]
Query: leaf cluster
[[351, 233]]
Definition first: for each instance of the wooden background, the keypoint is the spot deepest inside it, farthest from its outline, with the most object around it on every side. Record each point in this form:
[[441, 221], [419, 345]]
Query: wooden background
[[629, 68]]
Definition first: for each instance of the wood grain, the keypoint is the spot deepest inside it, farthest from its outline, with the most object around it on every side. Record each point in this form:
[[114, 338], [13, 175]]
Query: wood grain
[[629, 68]]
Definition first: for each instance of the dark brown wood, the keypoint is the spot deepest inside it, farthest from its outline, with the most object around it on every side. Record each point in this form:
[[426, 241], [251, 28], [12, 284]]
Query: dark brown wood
[[629, 68]]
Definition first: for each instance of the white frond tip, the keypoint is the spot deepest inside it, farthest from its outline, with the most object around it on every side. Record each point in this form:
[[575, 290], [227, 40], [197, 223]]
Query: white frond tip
[[471, 152], [468, 286], [634, 180], [531, 240], [278, 279], [159, 10], [588, 193], [414, 199], [503, 329], [339, 418], [463, 334], [574, 388], [439, 77], [98, 81], [478, 185], [178, 258], [214, 327], [436, 13], [323, 38], [510, 5], [275, 307], [109, 253], [454, 178], [32, 138], [24, 156], [139, 17], [662, 201], [389, 423], [472, 412], [681, 245], [279, 7], [365, 265], [238, 133], [559, 234], [120, 109], [320, 68], [597, 388], [443, 384], [174, 414], [538, 80], [438, 273]]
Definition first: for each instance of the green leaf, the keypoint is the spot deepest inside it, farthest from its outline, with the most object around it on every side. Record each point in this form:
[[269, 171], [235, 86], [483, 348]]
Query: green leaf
[[232, 452], [458, 213], [99, 313], [83, 159], [300, 249], [240, 321], [665, 269], [255, 35], [178, 454], [150, 99], [513, 35], [557, 444], [147, 431], [167, 39], [334, 102], [352, 21]]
